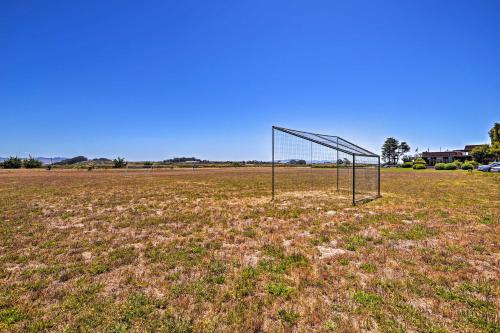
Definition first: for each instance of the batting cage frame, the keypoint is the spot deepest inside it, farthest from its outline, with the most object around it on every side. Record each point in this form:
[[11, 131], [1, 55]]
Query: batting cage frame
[[318, 162]]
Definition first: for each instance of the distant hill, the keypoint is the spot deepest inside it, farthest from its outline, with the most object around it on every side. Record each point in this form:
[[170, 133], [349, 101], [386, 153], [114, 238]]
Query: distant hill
[[73, 160], [47, 160]]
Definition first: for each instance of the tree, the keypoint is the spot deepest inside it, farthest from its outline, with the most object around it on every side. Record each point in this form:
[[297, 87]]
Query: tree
[[495, 134], [403, 149], [119, 162], [407, 158], [389, 150], [495, 150], [481, 153], [32, 163], [392, 150], [13, 163]]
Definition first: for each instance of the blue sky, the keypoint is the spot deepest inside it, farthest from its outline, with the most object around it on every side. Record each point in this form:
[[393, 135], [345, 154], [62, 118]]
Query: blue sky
[[157, 79]]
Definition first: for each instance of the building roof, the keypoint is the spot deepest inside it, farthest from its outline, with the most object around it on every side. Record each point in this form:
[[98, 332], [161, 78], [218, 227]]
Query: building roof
[[441, 153]]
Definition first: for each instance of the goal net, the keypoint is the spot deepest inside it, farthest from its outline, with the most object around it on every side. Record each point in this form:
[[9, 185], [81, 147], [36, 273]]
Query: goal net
[[304, 161]]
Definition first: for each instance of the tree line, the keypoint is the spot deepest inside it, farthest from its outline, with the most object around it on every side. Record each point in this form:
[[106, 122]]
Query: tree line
[[15, 162]]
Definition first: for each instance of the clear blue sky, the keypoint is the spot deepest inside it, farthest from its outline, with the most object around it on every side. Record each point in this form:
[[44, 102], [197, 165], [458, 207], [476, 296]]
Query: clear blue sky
[[157, 79]]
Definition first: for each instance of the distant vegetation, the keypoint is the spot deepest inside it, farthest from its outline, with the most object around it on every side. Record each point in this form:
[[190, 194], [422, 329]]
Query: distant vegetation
[[12, 163], [119, 162], [31, 163], [17, 163], [183, 160], [298, 162]]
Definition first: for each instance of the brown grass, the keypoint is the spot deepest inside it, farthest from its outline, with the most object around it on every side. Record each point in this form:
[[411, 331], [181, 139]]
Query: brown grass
[[206, 251]]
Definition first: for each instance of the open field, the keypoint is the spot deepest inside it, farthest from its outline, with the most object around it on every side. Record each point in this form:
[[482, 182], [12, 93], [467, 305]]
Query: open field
[[206, 251]]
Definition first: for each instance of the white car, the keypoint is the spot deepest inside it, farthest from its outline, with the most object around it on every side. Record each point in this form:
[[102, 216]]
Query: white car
[[489, 167], [495, 168]]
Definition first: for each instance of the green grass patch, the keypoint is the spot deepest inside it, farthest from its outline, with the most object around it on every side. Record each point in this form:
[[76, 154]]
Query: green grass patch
[[355, 242], [415, 232], [366, 299], [279, 289], [10, 316], [368, 267], [288, 317]]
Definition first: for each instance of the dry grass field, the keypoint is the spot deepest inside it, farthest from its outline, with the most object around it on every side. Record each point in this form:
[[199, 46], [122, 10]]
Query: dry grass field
[[206, 251]]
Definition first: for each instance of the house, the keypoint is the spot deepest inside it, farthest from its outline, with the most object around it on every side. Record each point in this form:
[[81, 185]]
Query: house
[[449, 155], [442, 156]]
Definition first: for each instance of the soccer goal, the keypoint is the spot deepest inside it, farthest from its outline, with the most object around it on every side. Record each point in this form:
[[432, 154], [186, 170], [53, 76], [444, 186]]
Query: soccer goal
[[304, 161]]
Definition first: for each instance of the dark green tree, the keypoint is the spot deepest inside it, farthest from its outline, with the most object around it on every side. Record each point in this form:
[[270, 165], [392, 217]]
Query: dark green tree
[[119, 162], [403, 149], [31, 163], [13, 163], [481, 154], [495, 150], [389, 150], [495, 134], [392, 150]]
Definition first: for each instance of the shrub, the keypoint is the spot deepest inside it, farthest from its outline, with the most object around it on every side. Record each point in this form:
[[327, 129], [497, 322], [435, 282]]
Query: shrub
[[474, 163], [32, 163], [458, 164], [439, 166], [13, 163], [450, 166], [467, 166], [419, 164], [420, 160], [407, 165]]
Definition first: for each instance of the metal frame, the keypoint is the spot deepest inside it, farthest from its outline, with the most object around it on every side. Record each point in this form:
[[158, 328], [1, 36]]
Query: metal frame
[[332, 142]]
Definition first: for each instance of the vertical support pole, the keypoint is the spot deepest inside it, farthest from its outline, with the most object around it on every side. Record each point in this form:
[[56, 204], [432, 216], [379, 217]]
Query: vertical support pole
[[353, 180], [338, 171], [273, 161], [378, 185], [311, 168]]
